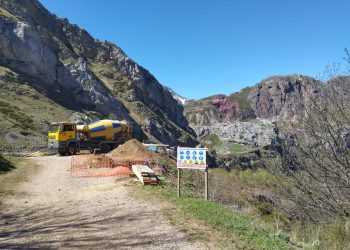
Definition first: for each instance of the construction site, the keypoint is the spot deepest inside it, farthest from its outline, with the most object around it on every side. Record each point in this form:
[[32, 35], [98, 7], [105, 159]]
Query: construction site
[[132, 158]]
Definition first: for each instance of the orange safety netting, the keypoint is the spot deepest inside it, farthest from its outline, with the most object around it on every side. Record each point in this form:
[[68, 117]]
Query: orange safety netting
[[102, 165]]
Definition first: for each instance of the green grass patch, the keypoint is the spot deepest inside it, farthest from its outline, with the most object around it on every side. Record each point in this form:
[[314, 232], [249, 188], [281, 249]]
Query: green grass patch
[[242, 97], [331, 235], [7, 163], [222, 147], [256, 177], [236, 148], [250, 230]]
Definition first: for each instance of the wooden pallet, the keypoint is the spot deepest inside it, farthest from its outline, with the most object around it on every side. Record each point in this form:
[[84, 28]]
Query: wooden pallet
[[145, 174]]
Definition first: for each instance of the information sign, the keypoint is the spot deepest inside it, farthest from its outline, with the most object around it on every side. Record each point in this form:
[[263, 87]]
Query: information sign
[[194, 158]]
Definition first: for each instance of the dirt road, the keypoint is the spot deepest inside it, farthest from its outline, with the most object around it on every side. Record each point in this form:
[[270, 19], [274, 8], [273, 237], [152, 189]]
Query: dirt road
[[53, 210]]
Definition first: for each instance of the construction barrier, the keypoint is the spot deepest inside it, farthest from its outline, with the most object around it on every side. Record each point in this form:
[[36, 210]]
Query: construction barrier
[[102, 165]]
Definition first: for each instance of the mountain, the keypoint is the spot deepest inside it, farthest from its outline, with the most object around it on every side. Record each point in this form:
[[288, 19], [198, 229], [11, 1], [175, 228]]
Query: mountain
[[277, 97], [182, 100], [54, 70], [250, 116]]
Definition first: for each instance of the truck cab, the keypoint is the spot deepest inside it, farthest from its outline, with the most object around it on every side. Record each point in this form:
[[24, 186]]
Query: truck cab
[[63, 136]]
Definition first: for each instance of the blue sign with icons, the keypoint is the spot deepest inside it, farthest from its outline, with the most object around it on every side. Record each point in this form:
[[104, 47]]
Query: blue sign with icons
[[194, 158]]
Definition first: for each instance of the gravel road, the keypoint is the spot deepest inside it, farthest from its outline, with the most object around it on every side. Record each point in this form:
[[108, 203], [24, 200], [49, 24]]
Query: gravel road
[[54, 210]]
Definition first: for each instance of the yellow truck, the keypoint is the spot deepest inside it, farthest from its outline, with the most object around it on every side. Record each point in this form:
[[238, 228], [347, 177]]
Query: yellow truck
[[100, 136]]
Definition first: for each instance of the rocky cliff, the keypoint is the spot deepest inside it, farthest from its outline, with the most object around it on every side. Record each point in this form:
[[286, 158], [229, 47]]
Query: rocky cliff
[[66, 67], [277, 97], [281, 97]]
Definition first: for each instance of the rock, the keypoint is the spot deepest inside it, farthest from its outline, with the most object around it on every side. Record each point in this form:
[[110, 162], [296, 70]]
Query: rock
[[281, 96], [260, 132], [277, 97], [219, 108], [89, 90], [22, 49]]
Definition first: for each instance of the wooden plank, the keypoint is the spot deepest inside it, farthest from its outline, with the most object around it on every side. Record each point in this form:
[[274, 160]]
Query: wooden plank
[[139, 169]]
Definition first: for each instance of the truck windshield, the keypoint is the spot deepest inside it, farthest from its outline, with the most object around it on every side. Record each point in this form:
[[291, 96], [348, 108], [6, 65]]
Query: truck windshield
[[53, 128]]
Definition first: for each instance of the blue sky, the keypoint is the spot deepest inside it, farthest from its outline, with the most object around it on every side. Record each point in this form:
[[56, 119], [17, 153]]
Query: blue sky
[[201, 47]]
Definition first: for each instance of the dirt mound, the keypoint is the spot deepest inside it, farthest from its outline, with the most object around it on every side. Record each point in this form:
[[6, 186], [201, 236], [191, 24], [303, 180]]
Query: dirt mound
[[98, 162], [132, 149]]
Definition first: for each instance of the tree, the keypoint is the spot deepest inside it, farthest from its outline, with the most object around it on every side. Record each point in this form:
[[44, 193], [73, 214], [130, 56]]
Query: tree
[[315, 152]]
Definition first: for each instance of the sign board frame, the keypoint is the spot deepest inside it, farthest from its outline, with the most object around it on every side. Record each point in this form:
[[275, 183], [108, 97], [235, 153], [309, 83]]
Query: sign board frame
[[197, 159]]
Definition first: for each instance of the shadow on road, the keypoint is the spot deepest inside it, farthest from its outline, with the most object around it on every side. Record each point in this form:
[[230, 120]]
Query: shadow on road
[[49, 227]]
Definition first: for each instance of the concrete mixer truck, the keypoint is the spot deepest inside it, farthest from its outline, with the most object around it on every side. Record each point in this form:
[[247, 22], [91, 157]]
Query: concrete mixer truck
[[101, 136]]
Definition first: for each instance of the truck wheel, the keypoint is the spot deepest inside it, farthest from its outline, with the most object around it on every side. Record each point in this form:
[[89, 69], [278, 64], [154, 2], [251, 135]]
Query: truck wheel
[[72, 149], [105, 148], [62, 153]]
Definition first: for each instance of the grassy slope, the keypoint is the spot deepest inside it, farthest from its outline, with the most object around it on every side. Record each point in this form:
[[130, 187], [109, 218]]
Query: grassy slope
[[250, 232], [240, 201], [245, 224], [24, 113], [242, 97]]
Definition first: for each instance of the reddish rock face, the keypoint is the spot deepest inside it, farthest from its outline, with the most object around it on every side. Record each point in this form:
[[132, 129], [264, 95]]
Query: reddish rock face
[[230, 109]]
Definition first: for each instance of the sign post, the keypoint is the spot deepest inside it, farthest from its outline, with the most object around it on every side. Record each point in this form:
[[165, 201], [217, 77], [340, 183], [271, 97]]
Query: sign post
[[206, 184], [192, 158], [178, 181]]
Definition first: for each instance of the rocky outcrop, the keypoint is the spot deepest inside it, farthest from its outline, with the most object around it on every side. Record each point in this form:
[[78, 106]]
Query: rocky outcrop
[[281, 96], [219, 108], [182, 100], [231, 109], [259, 132], [77, 71], [247, 116], [277, 97]]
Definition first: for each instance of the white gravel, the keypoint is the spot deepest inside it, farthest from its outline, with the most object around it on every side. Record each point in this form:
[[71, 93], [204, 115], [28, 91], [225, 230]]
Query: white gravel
[[54, 210]]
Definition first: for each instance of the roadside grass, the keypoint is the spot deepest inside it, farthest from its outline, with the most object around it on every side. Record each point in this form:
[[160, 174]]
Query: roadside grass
[[21, 172], [245, 203], [334, 235], [253, 232], [7, 163]]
